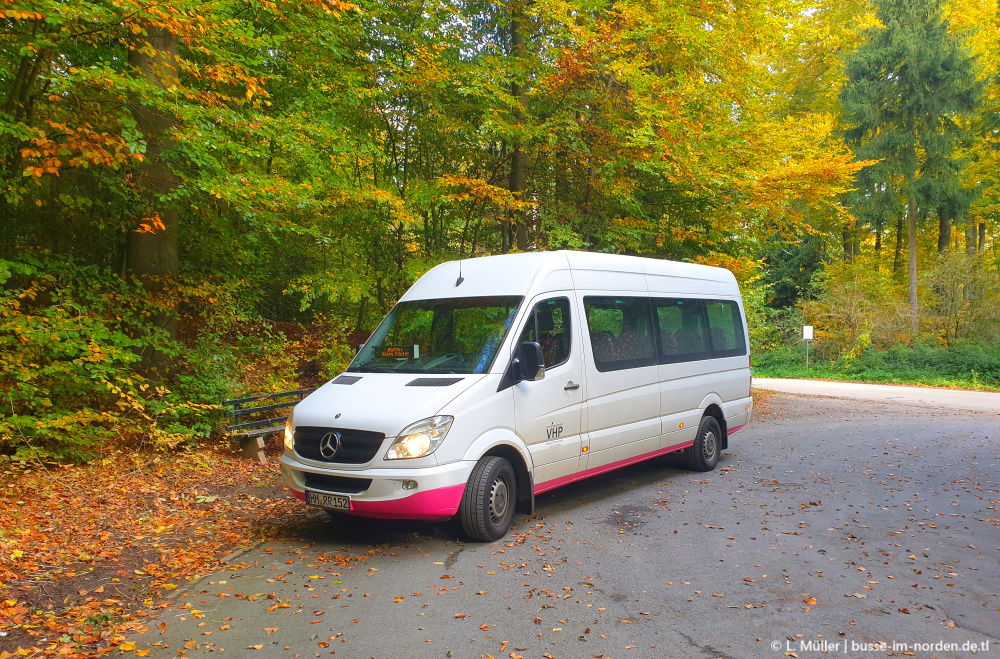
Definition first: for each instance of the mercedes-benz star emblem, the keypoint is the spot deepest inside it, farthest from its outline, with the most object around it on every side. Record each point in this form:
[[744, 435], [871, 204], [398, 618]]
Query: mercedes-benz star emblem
[[329, 444]]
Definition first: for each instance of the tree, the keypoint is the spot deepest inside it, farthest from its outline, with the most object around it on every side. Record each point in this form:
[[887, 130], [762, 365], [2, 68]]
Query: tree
[[907, 88]]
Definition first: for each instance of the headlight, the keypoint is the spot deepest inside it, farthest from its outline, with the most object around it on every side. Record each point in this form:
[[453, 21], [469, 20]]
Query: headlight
[[420, 438], [289, 437]]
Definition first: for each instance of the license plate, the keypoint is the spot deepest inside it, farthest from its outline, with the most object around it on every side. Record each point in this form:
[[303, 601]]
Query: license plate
[[331, 501]]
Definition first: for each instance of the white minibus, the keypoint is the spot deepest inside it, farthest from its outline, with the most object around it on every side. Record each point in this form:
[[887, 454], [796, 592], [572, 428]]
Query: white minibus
[[497, 378]]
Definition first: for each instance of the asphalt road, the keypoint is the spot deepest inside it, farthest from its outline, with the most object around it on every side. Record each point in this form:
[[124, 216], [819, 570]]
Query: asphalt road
[[827, 521], [953, 399]]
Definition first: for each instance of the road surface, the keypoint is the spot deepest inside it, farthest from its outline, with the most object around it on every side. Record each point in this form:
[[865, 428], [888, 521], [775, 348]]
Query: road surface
[[826, 522], [954, 399]]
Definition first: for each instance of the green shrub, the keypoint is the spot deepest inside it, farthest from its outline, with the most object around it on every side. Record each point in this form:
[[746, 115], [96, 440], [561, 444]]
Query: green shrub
[[71, 337], [967, 364]]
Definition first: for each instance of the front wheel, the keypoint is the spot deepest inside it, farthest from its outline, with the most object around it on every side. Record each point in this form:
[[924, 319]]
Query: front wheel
[[704, 455], [488, 502]]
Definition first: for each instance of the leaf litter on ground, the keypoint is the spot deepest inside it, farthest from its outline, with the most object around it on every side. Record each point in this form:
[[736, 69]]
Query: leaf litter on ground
[[89, 554]]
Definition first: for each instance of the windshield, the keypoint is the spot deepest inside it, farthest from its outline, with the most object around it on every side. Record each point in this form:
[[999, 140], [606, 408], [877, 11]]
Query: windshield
[[457, 335]]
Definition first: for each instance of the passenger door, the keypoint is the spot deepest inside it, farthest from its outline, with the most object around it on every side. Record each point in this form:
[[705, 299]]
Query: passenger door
[[684, 370], [547, 411], [623, 399]]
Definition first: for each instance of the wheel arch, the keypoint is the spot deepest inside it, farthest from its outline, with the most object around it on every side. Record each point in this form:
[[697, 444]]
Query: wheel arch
[[715, 410], [522, 476], [507, 445]]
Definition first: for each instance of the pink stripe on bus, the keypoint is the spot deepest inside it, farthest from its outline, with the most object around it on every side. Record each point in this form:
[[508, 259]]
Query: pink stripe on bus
[[732, 430], [572, 478], [440, 503]]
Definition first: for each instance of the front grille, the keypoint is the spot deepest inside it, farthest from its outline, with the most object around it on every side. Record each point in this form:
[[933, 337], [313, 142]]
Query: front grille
[[356, 446], [337, 483]]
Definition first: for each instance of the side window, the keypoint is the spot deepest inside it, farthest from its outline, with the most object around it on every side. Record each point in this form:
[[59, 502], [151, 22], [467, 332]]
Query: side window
[[621, 332], [725, 328], [681, 330], [549, 325]]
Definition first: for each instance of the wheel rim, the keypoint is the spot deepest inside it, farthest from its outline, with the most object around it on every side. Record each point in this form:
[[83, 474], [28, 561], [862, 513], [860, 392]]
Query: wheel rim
[[709, 445], [499, 500]]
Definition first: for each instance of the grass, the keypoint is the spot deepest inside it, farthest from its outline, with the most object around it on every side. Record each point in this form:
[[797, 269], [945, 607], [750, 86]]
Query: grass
[[966, 366]]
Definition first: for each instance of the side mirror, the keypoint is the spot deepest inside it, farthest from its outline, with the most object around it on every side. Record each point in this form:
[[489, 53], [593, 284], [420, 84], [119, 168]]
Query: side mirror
[[531, 363]]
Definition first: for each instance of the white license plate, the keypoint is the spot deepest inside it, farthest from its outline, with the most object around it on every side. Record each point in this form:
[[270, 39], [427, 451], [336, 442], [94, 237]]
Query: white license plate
[[331, 501]]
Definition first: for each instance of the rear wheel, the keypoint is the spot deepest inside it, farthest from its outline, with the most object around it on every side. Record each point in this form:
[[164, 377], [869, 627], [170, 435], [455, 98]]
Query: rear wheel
[[488, 502], [704, 455]]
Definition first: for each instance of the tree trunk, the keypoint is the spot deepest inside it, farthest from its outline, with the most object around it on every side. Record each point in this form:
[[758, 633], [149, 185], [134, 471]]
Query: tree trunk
[[982, 238], [970, 237], [878, 247], [152, 255], [911, 220], [944, 230], [897, 254], [847, 234], [518, 159]]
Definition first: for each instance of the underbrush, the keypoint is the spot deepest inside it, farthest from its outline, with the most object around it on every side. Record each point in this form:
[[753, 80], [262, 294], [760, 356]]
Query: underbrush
[[75, 373], [967, 365]]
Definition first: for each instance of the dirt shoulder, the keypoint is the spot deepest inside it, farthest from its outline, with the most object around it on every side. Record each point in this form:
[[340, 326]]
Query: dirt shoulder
[[89, 553]]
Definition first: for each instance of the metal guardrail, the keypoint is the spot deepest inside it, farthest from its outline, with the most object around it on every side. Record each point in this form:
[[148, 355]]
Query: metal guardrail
[[250, 435]]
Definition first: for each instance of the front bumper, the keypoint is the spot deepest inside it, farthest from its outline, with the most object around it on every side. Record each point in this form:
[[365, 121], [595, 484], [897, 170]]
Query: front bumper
[[437, 495]]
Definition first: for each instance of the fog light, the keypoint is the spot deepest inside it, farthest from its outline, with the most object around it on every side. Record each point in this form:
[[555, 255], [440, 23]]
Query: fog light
[[409, 485]]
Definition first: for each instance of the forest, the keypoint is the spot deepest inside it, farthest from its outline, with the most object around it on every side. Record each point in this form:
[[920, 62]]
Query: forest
[[203, 200]]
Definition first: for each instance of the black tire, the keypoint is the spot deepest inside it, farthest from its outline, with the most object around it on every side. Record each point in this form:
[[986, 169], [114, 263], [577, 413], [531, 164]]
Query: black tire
[[489, 499], [704, 455]]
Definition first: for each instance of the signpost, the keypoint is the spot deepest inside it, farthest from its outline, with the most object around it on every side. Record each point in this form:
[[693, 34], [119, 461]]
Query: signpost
[[807, 336]]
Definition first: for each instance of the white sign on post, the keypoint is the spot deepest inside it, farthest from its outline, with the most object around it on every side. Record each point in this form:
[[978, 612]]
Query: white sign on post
[[807, 336]]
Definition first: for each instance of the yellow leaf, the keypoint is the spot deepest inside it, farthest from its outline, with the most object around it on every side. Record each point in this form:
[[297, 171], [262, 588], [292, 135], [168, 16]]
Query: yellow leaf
[[127, 647]]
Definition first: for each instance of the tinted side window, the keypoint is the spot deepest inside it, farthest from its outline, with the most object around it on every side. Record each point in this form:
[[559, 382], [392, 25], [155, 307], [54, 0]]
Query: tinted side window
[[725, 328], [549, 325], [681, 330], [621, 332]]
